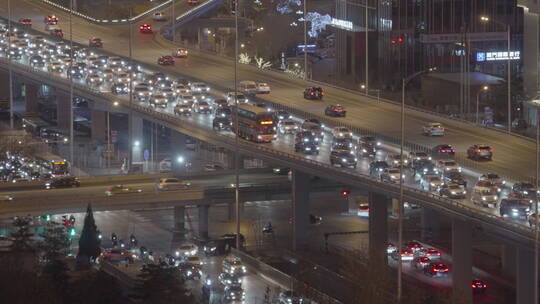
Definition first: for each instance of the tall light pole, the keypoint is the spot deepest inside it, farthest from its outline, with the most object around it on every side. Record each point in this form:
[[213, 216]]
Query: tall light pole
[[367, 48], [508, 76], [71, 83], [9, 67], [537, 218], [236, 139], [305, 40], [404, 83], [482, 89], [130, 117], [173, 23]]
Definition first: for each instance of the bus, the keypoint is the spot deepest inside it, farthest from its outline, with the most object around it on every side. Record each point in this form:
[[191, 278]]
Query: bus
[[56, 165], [254, 123]]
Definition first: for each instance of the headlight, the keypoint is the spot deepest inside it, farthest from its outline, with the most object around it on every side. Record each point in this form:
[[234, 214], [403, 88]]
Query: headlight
[[528, 209], [514, 210], [453, 192], [364, 150], [483, 198], [189, 273], [432, 184], [344, 160], [526, 192]]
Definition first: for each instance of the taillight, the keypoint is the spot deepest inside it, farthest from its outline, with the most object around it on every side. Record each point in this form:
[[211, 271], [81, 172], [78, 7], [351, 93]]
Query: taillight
[[473, 285], [490, 150]]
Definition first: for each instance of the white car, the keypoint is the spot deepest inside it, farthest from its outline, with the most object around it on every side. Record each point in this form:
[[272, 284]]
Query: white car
[[193, 260], [159, 16], [433, 129], [171, 183], [200, 87], [181, 53], [263, 88], [431, 182], [239, 96], [341, 132], [448, 165], [159, 100], [233, 265], [391, 175], [287, 126], [122, 77], [6, 198], [55, 67], [394, 160], [94, 80], [181, 89], [187, 99], [186, 250]]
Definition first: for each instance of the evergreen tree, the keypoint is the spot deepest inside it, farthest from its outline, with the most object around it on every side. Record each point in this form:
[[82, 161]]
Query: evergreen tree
[[163, 284], [22, 241], [55, 241], [89, 243]]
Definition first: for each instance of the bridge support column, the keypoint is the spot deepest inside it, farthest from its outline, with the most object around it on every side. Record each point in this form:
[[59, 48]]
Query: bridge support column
[[178, 153], [509, 262], [63, 109], [378, 229], [4, 85], [31, 97], [99, 126], [525, 280], [300, 189], [430, 225], [462, 260], [179, 218], [137, 145], [203, 220]]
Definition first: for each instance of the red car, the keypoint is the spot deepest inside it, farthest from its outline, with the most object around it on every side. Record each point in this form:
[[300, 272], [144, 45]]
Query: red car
[[390, 248], [432, 253], [421, 262], [414, 246], [444, 149], [26, 22], [145, 28], [436, 270], [405, 255], [313, 93], [51, 19], [95, 42], [166, 60], [335, 110], [479, 286]]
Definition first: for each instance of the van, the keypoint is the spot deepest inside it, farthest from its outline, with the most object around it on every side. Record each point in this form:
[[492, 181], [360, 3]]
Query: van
[[484, 196], [248, 87]]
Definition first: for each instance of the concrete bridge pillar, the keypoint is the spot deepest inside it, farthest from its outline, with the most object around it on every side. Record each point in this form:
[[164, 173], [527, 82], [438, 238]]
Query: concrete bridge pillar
[[63, 109], [4, 85], [137, 144], [300, 206], [179, 218], [203, 221], [508, 257], [378, 228], [99, 126], [31, 97], [462, 260], [430, 225], [525, 276]]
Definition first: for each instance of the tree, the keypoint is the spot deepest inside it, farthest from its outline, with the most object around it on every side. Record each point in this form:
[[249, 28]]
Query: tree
[[89, 243], [163, 284], [22, 236], [96, 287], [55, 243], [56, 272]]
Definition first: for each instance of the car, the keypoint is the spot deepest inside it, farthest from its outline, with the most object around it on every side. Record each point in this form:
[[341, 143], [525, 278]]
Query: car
[[314, 219], [290, 297], [315, 129], [436, 270], [248, 87], [51, 19], [532, 218], [226, 279], [193, 2], [233, 265], [484, 194], [187, 99], [121, 189], [263, 88], [479, 286], [158, 100], [341, 132], [171, 183], [231, 239], [430, 182], [94, 80], [95, 42], [343, 158], [63, 182], [391, 175], [335, 110], [222, 123], [418, 156], [376, 167], [141, 93], [395, 160], [366, 150], [119, 88], [306, 143], [180, 53], [241, 98], [36, 61], [116, 255], [159, 16], [420, 262], [455, 178], [526, 188], [57, 33], [234, 293], [448, 165], [515, 208], [404, 254], [26, 22], [478, 152], [313, 93], [433, 129], [193, 260], [166, 60], [443, 150], [210, 167], [55, 67], [6, 198], [495, 179], [190, 271], [168, 92], [221, 103], [414, 246], [187, 250], [199, 87], [424, 167], [287, 126], [145, 28], [390, 248], [431, 253], [454, 191], [202, 107], [363, 210]]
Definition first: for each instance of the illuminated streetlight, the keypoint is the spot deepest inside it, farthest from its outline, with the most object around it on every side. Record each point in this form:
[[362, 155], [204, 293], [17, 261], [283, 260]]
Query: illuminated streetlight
[[180, 159], [242, 45], [115, 103], [484, 88], [136, 143]]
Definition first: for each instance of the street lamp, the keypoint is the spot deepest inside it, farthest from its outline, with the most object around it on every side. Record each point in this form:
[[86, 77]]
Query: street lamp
[[486, 19], [482, 89], [180, 159], [364, 87]]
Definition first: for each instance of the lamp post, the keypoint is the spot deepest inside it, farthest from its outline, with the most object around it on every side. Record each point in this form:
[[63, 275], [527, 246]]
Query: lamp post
[[482, 89], [71, 133], [486, 19], [305, 40], [10, 29], [364, 87], [367, 48], [404, 83]]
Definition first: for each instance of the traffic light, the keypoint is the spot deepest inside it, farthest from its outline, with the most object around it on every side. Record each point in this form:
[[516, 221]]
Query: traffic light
[[72, 231], [47, 217], [393, 41], [345, 192], [401, 40]]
